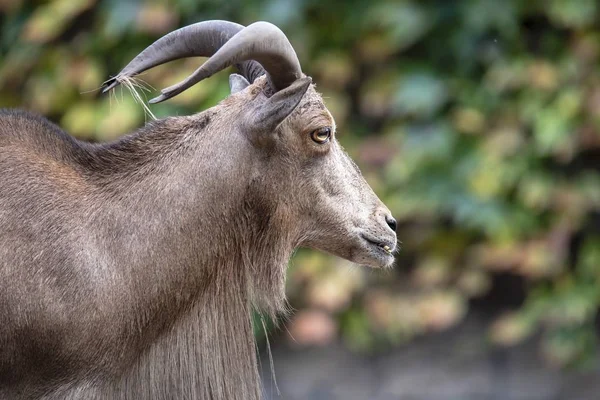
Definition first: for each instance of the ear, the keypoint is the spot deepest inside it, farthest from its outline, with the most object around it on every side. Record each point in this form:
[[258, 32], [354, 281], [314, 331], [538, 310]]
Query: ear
[[237, 83], [276, 108]]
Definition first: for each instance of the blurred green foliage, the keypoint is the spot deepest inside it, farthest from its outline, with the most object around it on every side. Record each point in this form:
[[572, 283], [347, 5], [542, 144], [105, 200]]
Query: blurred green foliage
[[476, 121]]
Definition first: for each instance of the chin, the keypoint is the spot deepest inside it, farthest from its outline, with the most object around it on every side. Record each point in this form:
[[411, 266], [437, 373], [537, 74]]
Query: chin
[[382, 262], [374, 254], [370, 253]]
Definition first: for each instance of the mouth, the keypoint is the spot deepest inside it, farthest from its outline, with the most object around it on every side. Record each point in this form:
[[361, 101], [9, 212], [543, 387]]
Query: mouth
[[381, 247]]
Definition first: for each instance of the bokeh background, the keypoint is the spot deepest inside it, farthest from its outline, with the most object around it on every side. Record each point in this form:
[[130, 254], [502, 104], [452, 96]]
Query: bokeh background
[[477, 122]]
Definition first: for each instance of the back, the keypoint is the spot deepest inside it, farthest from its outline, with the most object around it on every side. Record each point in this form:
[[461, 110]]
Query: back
[[41, 186]]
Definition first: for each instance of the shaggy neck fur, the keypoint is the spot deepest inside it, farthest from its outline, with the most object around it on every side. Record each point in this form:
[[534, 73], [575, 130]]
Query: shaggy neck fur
[[225, 261], [174, 320], [208, 352]]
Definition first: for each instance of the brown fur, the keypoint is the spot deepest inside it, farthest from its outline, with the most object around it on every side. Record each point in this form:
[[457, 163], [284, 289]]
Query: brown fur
[[128, 270]]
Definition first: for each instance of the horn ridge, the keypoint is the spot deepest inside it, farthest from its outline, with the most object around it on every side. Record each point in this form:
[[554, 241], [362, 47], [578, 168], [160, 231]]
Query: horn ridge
[[260, 41], [201, 39], [255, 50]]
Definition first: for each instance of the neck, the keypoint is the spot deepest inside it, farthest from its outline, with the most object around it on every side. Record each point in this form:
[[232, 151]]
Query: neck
[[208, 353], [195, 255]]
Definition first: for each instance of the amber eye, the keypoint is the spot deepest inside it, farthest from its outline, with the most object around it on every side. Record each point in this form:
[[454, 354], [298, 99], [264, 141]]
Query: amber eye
[[321, 135]]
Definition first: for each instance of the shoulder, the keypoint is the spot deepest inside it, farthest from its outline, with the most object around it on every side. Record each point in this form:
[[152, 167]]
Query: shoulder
[[19, 122], [24, 128]]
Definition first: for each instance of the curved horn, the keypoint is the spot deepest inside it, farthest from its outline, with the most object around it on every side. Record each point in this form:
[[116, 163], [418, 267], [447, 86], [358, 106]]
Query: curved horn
[[261, 41], [202, 39]]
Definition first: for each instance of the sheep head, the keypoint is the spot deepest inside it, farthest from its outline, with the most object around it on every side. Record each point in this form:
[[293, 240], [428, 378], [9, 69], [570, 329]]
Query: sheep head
[[299, 168]]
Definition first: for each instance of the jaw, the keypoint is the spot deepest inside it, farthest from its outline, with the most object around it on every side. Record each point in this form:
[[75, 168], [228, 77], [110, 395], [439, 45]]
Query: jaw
[[360, 248], [374, 253]]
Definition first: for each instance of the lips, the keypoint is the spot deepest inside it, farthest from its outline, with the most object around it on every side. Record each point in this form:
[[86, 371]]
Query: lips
[[385, 246]]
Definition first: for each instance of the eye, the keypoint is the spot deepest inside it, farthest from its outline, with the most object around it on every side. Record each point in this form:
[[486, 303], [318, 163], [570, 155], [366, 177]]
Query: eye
[[321, 135]]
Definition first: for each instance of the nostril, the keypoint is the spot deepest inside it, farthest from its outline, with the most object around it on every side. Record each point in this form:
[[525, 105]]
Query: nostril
[[391, 223]]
